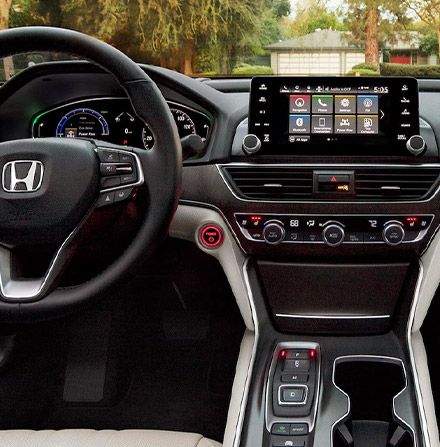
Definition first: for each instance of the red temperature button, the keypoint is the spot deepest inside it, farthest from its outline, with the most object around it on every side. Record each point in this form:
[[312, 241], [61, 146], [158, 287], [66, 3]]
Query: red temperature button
[[211, 236]]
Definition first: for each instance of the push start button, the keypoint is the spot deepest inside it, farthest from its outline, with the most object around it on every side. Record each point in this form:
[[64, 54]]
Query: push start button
[[211, 236]]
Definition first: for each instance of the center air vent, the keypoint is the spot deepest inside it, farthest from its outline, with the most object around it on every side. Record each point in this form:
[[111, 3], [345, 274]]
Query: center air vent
[[397, 184], [291, 183], [271, 183]]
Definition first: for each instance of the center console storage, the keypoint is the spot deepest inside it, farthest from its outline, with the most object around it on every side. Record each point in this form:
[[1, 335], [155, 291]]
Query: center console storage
[[332, 297], [371, 385]]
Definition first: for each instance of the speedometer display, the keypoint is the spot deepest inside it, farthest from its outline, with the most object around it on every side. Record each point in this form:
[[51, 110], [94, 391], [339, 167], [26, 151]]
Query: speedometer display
[[113, 120], [185, 126]]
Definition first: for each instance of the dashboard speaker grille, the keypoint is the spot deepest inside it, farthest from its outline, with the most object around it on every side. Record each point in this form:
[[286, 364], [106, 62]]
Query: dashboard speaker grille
[[397, 184], [291, 183], [271, 183]]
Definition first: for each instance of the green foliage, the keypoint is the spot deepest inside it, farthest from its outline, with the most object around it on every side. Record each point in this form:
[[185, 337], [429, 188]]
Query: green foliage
[[429, 44], [363, 72], [364, 66], [311, 15], [386, 56], [251, 70], [420, 71]]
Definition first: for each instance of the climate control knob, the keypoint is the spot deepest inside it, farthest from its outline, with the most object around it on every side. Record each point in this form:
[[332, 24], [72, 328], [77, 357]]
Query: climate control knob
[[393, 233], [333, 235], [274, 233]]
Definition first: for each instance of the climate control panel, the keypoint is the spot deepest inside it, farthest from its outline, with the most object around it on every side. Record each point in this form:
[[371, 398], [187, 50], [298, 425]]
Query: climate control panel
[[334, 230]]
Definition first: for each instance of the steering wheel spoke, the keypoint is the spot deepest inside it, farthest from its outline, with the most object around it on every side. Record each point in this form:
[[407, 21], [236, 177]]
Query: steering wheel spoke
[[71, 177]]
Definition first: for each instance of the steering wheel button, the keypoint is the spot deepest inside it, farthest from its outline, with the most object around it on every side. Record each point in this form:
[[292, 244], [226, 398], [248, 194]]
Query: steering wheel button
[[126, 179], [108, 156], [108, 169], [126, 158], [106, 199], [123, 194], [110, 182], [211, 236]]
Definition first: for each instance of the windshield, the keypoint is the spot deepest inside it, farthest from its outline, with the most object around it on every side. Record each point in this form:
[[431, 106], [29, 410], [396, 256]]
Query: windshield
[[210, 38]]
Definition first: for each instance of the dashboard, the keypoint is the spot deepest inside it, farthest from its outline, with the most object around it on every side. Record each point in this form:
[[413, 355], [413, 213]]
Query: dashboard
[[113, 120]]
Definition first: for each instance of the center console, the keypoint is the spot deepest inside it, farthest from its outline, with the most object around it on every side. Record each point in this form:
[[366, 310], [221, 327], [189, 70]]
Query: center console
[[332, 193]]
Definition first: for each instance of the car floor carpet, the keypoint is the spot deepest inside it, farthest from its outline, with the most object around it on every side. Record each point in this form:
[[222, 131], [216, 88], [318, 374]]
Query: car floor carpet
[[169, 364]]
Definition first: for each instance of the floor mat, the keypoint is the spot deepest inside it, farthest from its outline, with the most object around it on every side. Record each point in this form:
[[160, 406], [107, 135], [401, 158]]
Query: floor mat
[[170, 361]]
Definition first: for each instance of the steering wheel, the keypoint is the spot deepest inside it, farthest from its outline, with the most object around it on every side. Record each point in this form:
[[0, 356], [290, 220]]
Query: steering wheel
[[49, 187]]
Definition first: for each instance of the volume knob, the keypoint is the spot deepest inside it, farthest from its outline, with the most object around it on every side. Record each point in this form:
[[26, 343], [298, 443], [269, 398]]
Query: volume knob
[[416, 145], [274, 233], [251, 144]]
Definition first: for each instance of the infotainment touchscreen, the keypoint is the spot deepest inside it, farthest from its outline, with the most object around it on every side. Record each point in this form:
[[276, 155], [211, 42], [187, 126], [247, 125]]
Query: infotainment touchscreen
[[329, 115]]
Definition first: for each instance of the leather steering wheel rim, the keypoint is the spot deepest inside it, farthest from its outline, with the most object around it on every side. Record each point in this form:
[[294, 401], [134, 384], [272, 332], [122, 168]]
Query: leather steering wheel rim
[[164, 161]]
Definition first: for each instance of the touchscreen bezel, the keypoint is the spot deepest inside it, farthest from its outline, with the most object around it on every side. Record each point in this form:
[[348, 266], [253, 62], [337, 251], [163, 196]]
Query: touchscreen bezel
[[397, 115]]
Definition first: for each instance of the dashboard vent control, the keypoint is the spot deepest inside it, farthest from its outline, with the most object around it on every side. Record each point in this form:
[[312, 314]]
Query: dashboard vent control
[[271, 183], [395, 184]]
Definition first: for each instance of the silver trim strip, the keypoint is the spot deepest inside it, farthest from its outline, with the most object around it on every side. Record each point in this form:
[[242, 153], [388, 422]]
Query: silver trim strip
[[327, 166], [242, 412], [419, 396], [334, 317]]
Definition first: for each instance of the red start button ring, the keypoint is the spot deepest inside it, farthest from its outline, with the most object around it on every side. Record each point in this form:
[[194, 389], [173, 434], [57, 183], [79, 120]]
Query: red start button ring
[[211, 236]]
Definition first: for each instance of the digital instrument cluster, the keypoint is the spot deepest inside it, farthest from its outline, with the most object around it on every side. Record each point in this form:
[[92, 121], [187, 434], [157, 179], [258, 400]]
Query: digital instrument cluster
[[113, 120], [334, 116]]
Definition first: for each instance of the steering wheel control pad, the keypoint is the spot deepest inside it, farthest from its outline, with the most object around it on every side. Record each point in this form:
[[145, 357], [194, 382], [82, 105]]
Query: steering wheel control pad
[[120, 172], [47, 188]]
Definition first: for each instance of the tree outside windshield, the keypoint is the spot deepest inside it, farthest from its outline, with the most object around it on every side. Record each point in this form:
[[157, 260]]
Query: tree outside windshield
[[208, 38]]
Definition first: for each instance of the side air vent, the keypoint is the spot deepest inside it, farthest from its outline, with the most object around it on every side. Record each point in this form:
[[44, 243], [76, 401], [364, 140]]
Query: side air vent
[[271, 183], [395, 184]]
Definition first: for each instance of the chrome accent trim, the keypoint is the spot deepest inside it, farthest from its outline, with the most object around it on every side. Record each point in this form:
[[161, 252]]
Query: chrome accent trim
[[242, 412], [334, 317], [293, 385], [309, 419], [419, 396], [327, 166], [380, 358], [26, 289], [141, 178], [13, 163], [392, 224]]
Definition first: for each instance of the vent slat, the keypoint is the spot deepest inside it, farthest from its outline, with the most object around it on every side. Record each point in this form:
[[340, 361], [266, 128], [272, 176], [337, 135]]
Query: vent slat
[[371, 184], [399, 184], [268, 183]]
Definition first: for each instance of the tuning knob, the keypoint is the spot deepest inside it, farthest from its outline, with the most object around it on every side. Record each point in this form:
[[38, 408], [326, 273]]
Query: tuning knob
[[333, 235], [416, 145], [251, 144], [393, 233], [274, 233]]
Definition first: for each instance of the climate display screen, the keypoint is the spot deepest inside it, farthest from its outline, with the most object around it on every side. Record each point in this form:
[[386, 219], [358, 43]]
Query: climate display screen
[[356, 116]]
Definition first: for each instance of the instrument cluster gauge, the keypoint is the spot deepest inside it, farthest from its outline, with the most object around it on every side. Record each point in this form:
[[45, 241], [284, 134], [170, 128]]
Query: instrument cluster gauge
[[82, 123], [185, 127], [113, 120]]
